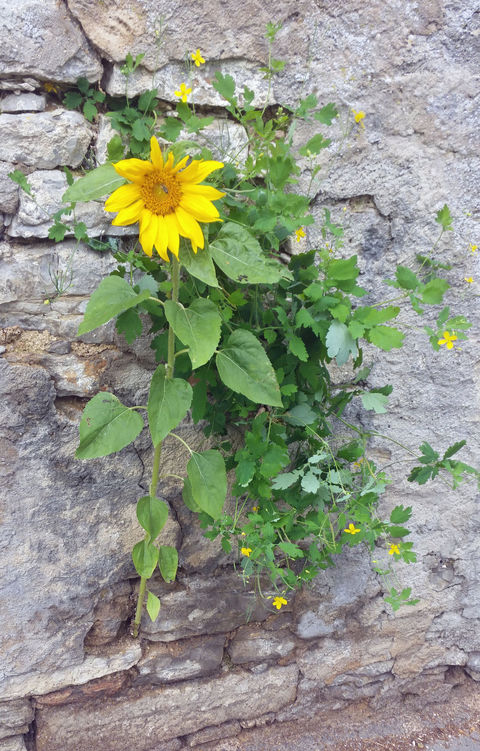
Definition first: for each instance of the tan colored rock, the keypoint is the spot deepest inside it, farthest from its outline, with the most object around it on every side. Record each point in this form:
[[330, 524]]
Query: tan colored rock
[[148, 718], [357, 656], [177, 661], [15, 743], [15, 717], [252, 644]]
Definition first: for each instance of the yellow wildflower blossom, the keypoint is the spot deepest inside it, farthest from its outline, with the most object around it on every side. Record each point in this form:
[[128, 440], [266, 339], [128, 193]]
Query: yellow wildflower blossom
[[278, 602], [299, 233], [359, 116], [255, 508], [197, 58], [246, 551], [183, 92], [166, 198], [473, 248], [448, 339], [394, 549], [352, 529], [469, 279]]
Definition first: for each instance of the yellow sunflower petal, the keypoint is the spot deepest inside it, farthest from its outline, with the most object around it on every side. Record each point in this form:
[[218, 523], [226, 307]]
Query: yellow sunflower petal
[[181, 164], [129, 215], [200, 208], [169, 163], [156, 153], [122, 197], [212, 194], [145, 238], [134, 169], [173, 233], [189, 227], [161, 240], [198, 170]]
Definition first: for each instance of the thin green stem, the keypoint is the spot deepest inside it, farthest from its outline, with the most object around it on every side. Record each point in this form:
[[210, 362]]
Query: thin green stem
[[182, 441]]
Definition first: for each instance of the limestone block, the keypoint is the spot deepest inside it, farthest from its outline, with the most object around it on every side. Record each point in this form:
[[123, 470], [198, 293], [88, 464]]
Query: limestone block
[[207, 735], [252, 644], [180, 660], [112, 610], [23, 102], [42, 40], [147, 718], [15, 717], [15, 743], [227, 141], [45, 139], [195, 605], [8, 189], [352, 656]]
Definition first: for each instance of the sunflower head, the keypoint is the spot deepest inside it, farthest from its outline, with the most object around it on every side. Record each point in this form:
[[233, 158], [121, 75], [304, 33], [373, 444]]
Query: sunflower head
[[167, 200]]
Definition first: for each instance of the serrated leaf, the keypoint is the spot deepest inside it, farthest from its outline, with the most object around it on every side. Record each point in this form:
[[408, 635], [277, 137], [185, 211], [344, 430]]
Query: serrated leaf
[[208, 481], [396, 531], [340, 343], [453, 449], [168, 562], [285, 480], [140, 130], [420, 475], [327, 114], [293, 551], [375, 401], [18, 177], [152, 514], [197, 326], [400, 514], [343, 269], [153, 606], [168, 402], [244, 367], [89, 110], [106, 426], [145, 557], [310, 483], [112, 297], [244, 472], [129, 324], [241, 258], [58, 231], [444, 218], [301, 414], [225, 85], [429, 455], [171, 128], [94, 184], [385, 337], [146, 101], [434, 291], [297, 347], [72, 100], [406, 278], [315, 145]]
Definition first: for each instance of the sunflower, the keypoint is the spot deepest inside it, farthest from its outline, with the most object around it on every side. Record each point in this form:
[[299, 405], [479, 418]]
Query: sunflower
[[166, 199]]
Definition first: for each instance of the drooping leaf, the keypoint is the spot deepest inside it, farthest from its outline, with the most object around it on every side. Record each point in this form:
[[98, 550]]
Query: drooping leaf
[[302, 414], [453, 449], [340, 343], [241, 258], [168, 402], [168, 562], [434, 291], [386, 337], [129, 324], [244, 367], [95, 184], [153, 606], [152, 514], [197, 326], [200, 264], [208, 481], [406, 278], [106, 426], [188, 498], [375, 401], [18, 177], [145, 557], [112, 296]]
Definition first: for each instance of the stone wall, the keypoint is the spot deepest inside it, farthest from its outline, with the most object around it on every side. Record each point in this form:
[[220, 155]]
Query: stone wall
[[218, 659]]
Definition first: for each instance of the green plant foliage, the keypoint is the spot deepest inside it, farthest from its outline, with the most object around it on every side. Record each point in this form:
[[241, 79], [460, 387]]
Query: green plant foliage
[[106, 426], [197, 326], [152, 515], [168, 402], [244, 367], [208, 481], [113, 296]]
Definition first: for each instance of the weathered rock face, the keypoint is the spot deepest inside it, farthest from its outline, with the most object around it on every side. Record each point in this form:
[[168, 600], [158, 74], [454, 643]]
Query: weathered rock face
[[218, 659]]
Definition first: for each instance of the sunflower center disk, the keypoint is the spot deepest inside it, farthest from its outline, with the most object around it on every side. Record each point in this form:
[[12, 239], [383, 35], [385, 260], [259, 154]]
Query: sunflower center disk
[[161, 192]]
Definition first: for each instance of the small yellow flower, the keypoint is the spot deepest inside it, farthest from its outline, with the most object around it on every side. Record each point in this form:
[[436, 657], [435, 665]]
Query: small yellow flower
[[299, 233], [359, 116], [469, 279], [183, 92], [358, 464], [246, 551], [197, 58], [448, 339], [46, 302], [51, 88], [243, 534], [473, 248], [352, 529], [394, 549], [278, 602], [255, 508]]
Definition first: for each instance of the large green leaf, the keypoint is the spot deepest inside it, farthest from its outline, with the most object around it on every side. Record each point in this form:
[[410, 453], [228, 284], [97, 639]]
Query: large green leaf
[[153, 606], [208, 481], [106, 426], [199, 264], [152, 514], [241, 258], [386, 337], [244, 367], [197, 326], [340, 343], [168, 403], [145, 557], [95, 184], [168, 562], [112, 296]]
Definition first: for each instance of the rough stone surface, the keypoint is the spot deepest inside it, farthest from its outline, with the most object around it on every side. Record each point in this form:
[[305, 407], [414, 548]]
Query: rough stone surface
[[252, 644], [213, 733], [15, 743], [40, 39], [187, 658], [44, 139], [23, 103], [8, 189], [159, 714], [15, 717]]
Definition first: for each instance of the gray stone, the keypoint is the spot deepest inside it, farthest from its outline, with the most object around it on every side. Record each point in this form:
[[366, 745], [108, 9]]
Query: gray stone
[[15, 743], [45, 139], [351, 656], [194, 605], [8, 189], [112, 611], [251, 644], [23, 103], [143, 719], [42, 40], [104, 135], [15, 717], [227, 730], [179, 660]]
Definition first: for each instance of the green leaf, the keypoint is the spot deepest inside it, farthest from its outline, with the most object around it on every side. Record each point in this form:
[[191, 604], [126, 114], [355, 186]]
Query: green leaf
[[297, 347], [434, 291], [385, 337], [94, 184], [244, 367], [340, 343], [200, 264], [80, 231], [145, 557], [106, 426], [420, 475], [112, 296], [444, 218], [58, 231], [398, 531], [72, 100], [152, 514], [302, 414], [146, 101], [89, 110], [241, 258], [115, 149], [372, 317], [315, 145], [140, 130], [188, 498], [225, 85], [327, 114], [285, 480], [18, 177], [375, 401], [197, 326], [406, 278], [343, 269], [310, 482], [244, 472], [168, 403], [208, 481], [129, 324], [453, 449], [293, 551], [83, 85], [168, 562], [429, 455], [400, 514], [171, 128], [153, 606]]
